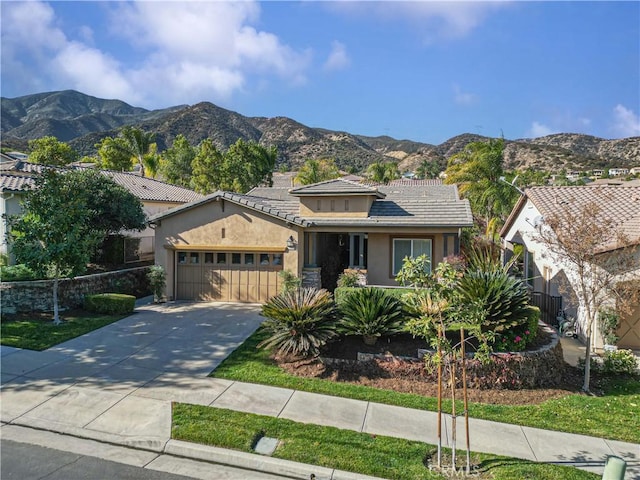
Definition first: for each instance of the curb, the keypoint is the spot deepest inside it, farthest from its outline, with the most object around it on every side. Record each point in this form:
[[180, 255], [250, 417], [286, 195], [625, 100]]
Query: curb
[[204, 453]]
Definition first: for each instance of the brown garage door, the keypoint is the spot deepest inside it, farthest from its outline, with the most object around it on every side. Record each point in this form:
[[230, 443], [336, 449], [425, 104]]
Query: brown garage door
[[629, 330], [250, 277]]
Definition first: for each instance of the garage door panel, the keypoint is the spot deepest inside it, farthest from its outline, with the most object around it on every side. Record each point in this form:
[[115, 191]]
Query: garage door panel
[[629, 330], [252, 282]]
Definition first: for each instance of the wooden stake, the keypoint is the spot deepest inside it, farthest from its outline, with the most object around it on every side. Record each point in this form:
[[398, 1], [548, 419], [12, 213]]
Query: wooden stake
[[464, 393]]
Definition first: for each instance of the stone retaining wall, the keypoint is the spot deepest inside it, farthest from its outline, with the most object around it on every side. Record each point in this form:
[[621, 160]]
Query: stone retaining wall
[[540, 368], [37, 296]]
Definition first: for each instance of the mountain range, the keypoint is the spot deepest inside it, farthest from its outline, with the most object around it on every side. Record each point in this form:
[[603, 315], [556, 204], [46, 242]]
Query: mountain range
[[83, 120]]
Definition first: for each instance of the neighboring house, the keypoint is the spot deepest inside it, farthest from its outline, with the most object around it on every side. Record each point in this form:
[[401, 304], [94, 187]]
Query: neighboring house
[[231, 247], [634, 171], [16, 176], [546, 275], [618, 172]]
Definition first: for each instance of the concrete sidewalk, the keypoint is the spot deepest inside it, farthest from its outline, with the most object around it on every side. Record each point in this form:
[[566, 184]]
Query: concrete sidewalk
[[116, 384]]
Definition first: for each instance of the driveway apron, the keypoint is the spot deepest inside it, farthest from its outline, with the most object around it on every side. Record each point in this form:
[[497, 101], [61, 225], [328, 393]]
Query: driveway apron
[[117, 383]]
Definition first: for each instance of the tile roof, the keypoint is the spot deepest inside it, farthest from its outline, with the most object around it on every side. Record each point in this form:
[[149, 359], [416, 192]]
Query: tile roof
[[408, 182], [410, 213], [14, 183], [618, 203], [425, 206], [336, 186], [284, 210], [146, 189]]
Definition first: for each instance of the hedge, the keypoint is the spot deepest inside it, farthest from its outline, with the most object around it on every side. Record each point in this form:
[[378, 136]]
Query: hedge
[[110, 303]]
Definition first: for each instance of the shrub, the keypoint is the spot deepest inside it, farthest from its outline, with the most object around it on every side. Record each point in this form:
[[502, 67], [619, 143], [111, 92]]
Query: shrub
[[299, 321], [518, 338], [157, 281], [370, 312], [415, 272], [289, 281], [110, 303], [348, 279], [17, 273], [505, 299], [619, 362], [608, 320]]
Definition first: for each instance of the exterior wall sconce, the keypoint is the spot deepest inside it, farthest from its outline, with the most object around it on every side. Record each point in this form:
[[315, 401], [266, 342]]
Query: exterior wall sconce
[[291, 243]]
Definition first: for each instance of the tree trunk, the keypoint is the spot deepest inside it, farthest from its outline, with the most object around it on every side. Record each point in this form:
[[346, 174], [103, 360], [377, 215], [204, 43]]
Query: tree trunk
[[587, 365], [56, 316]]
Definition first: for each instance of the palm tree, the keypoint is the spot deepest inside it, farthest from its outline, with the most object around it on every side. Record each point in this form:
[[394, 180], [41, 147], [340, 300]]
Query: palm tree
[[383, 172], [314, 171], [142, 148], [478, 170]]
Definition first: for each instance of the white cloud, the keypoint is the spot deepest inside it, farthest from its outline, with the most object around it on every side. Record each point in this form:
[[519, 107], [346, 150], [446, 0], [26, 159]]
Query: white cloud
[[435, 19], [180, 52], [626, 123], [463, 98], [338, 58], [539, 130]]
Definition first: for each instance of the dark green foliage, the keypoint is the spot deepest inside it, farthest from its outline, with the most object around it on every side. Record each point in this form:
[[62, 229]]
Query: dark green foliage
[[299, 321], [17, 273], [505, 299], [114, 155], [370, 312], [175, 162], [55, 232], [49, 151], [110, 303], [242, 167], [518, 338], [341, 293]]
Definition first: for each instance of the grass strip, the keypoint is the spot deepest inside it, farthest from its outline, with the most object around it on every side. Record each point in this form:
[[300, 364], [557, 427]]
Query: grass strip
[[612, 416], [39, 333], [331, 447]]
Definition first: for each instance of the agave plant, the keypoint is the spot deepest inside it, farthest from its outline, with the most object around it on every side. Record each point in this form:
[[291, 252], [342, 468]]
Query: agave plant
[[299, 321], [370, 312]]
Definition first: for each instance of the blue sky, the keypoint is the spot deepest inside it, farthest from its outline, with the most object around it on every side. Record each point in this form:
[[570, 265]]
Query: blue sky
[[424, 71]]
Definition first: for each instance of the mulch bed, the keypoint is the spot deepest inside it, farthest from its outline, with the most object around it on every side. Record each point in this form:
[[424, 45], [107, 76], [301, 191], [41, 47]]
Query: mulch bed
[[405, 345]]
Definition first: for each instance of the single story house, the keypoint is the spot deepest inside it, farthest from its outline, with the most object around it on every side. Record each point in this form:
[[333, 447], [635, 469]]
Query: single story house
[[546, 273], [16, 176], [231, 247]]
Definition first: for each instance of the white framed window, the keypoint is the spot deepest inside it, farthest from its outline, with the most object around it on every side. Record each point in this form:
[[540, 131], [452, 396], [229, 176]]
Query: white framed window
[[409, 247]]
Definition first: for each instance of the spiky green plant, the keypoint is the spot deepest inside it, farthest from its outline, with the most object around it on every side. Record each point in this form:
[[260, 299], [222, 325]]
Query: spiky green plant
[[299, 321], [504, 298], [371, 312]]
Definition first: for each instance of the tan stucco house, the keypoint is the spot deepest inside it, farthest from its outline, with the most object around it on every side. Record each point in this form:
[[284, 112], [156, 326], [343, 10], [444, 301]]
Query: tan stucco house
[[230, 247], [17, 175]]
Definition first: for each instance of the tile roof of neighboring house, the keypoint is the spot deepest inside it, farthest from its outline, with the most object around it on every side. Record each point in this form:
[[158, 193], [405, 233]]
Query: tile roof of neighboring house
[[14, 183], [337, 186], [434, 206], [146, 189], [283, 179], [408, 182], [618, 203]]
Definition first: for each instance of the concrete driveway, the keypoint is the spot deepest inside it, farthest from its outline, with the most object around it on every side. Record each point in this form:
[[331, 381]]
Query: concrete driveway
[[115, 384]]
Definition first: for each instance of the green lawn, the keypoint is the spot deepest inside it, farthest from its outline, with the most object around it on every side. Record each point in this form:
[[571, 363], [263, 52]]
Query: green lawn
[[614, 415], [37, 332], [344, 449]]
